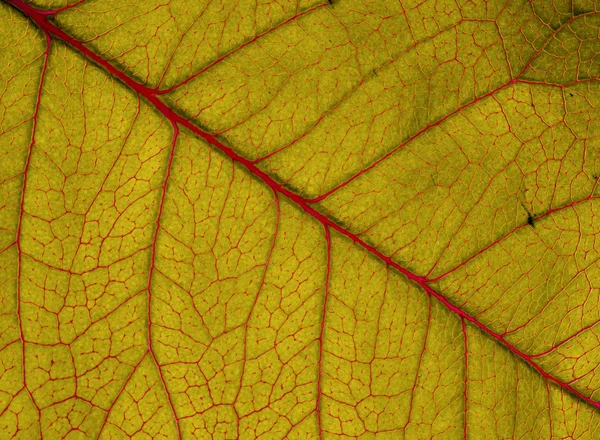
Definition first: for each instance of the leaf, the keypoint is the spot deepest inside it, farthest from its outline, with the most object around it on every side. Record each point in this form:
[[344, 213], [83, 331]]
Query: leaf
[[299, 220]]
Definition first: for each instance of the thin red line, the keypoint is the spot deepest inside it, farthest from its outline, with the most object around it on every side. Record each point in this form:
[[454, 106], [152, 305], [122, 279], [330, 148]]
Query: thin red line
[[20, 222], [151, 273], [64, 8], [321, 333], [409, 140], [465, 396], [227, 55]]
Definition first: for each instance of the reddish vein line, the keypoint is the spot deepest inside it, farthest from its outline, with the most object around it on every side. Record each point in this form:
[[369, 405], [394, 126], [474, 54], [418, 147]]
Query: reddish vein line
[[227, 55], [125, 383], [551, 37], [509, 233], [410, 139], [466, 383], [42, 21], [420, 364], [348, 95], [20, 222], [151, 272], [260, 288], [64, 8], [556, 346], [549, 410], [458, 110], [527, 358], [322, 333]]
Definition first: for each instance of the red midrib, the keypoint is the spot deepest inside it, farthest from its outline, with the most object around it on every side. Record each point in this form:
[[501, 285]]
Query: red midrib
[[150, 95]]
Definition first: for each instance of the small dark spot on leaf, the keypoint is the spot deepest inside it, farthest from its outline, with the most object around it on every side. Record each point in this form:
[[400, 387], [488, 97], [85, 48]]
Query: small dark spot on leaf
[[530, 220], [595, 176], [570, 94]]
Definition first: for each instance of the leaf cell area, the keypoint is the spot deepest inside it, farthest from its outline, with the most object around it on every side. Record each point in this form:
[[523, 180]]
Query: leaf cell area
[[310, 219]]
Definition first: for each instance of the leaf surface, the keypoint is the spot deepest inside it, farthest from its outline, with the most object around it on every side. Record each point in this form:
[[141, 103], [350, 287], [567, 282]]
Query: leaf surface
[[299, 220]]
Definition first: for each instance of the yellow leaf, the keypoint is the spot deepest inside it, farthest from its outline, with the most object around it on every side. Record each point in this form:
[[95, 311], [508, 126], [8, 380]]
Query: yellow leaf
[[311, 220]]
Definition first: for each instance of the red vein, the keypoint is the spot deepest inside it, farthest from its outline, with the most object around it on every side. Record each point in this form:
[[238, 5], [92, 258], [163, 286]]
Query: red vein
[[228, 54], [465, 397], [525, 357], [557, 85], [353, 90], [420, 364], [175, 119], [556, 346], [125, 382], [20, 221], [458, 110], [64, 8], [549, 409], [321, 333], [409, 140], [262, 284], [151, 272], [551, 37], [508, 234]]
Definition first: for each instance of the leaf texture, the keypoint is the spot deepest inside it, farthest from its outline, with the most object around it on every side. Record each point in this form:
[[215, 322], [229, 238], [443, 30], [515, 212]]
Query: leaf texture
[[303, 220]]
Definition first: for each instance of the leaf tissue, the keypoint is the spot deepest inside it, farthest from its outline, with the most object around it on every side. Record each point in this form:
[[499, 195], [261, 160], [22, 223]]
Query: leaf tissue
[[309, 219]]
